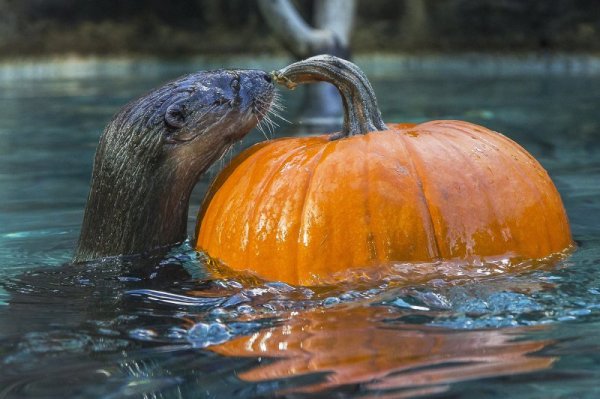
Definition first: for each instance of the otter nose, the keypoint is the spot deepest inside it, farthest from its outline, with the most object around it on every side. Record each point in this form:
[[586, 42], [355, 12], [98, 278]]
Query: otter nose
[[260, 78], [256, 86], [258, 81]]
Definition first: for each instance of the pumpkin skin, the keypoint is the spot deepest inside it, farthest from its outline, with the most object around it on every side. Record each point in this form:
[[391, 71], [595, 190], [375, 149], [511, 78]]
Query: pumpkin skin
[[301, 210]]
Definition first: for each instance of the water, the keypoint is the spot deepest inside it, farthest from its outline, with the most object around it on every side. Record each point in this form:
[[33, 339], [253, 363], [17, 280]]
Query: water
[[175, 327]]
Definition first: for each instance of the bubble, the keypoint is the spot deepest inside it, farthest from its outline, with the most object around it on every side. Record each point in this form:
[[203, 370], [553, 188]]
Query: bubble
[[280, 287], [331, 301], [143, 334], [202, 335]]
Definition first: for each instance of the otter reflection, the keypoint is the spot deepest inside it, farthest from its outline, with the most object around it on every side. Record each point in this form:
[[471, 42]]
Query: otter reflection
[[352, 345]]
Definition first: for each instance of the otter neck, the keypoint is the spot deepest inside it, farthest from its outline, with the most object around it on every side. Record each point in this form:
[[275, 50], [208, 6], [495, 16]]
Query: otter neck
[[131, 220], [134, 210]]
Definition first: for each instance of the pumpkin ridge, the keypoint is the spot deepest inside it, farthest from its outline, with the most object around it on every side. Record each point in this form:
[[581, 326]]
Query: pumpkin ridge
[[488, 136], [411, 155], [534, 183], [266, 183], [314, 159], [371, 243], [446, 142], [440, 230], [517, 173], [328, 147], [459, 126], [533, 186]]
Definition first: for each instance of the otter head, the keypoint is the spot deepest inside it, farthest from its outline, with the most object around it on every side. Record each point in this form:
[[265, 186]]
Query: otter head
[[153, 152]]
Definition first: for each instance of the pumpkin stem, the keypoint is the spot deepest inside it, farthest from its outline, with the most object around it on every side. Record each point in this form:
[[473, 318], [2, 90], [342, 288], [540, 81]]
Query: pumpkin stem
[[361, 113]]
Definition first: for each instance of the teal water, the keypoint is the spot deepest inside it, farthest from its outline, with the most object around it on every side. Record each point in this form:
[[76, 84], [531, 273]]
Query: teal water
[[168, 328]]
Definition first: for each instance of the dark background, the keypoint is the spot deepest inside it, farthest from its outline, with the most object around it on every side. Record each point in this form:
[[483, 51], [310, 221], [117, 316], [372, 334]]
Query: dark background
[[189, 27]]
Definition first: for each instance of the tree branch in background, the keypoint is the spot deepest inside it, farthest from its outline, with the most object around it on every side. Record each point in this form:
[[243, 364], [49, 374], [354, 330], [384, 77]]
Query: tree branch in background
[[297, 36], [337, 17], [333, 20]]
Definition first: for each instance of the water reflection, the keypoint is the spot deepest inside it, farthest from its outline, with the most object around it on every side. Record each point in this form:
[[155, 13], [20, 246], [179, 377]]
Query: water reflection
[[355, 344], [145, 326], [163, 326]]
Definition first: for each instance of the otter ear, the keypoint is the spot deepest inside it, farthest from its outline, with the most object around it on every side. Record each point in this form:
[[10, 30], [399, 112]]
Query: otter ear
[[175, 115]]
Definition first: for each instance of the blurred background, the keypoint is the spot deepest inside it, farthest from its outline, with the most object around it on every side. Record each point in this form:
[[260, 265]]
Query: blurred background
[[191, 27], [69, 38]]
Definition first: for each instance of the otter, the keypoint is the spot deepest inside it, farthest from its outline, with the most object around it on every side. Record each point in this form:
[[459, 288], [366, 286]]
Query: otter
[[153, 152]]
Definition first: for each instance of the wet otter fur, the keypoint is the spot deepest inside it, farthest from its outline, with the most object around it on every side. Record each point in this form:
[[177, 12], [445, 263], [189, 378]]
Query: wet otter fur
[[153, 152]]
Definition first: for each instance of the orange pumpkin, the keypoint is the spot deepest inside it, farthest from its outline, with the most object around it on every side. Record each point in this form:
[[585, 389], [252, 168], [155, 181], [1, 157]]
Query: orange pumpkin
[[300, 209]]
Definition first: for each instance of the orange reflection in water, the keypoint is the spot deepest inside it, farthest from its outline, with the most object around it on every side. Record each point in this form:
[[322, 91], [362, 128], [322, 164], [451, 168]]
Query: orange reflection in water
[[355, 345]]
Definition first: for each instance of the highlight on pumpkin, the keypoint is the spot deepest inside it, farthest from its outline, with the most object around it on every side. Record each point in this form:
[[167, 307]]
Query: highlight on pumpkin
[[302, 209]]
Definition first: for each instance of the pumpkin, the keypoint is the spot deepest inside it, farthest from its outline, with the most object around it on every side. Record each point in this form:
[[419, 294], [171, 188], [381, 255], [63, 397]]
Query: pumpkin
[[302, 209]]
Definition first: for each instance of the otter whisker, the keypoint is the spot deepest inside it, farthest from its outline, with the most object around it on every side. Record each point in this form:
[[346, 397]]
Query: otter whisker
[[277, 107], [267, 110], [277, 103], [278, 115], [270, 123], [264, 121], [261, 129]]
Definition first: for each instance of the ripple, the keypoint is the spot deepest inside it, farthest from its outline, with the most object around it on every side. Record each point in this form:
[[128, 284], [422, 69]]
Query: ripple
[[175, 299]]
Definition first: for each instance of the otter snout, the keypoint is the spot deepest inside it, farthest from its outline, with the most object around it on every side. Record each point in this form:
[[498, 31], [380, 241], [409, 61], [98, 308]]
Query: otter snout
[[257, 91], [253, 93]]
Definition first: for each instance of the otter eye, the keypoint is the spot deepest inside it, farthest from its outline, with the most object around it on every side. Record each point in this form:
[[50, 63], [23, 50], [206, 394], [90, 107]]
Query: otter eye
[[175, 115], [235, 84]]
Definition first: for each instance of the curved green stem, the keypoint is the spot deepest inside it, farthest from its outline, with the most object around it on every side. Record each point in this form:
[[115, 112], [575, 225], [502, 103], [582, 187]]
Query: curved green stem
[[361, 113]]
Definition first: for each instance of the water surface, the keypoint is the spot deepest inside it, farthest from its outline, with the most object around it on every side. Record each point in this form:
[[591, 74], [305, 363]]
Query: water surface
[[172, 328]]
